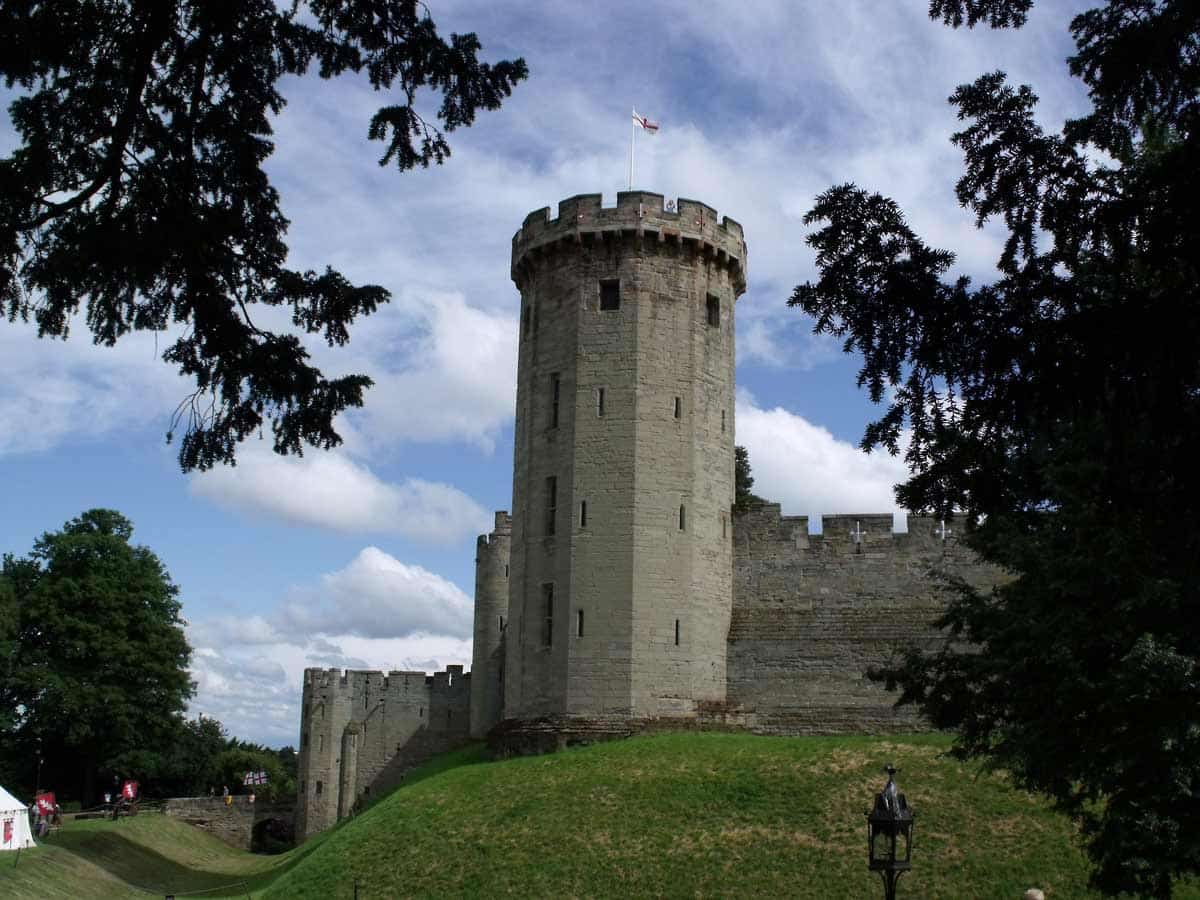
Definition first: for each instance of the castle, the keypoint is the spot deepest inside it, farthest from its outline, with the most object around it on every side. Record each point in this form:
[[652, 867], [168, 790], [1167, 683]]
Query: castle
[[623, 593]]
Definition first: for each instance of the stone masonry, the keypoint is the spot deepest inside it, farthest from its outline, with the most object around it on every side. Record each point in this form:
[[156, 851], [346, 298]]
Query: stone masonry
[[360, 732], [621, 594]]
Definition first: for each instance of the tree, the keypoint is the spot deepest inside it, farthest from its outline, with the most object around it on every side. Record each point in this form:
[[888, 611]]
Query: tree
[[743, 481], [1059, 408], [139, 191], [98, 668], [240, 757]]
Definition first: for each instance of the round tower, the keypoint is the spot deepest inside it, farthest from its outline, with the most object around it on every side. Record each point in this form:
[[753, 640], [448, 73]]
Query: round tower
[[491, 617], [620, 583]]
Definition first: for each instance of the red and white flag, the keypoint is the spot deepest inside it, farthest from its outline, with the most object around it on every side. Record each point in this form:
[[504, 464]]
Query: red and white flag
[[646, 124], [129, 790], [45, 802]]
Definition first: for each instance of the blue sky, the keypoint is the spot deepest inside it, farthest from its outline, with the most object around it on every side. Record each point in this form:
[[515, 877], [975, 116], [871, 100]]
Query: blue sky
[[364, 557]]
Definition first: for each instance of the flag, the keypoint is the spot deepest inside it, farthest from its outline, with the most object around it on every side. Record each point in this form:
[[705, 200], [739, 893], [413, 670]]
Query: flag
[[8, 831], [45, 803], [129, 790], [259, 777], [645, 123]]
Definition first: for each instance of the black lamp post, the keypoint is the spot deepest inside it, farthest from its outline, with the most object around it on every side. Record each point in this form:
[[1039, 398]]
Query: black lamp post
[[889, 835]]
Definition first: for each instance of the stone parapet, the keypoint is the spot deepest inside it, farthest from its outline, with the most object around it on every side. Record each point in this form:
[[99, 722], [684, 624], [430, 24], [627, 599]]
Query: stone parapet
[[640, 215]]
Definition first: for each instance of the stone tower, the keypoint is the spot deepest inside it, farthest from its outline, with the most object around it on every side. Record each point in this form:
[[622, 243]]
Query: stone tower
[[620, 583], [491, 615]]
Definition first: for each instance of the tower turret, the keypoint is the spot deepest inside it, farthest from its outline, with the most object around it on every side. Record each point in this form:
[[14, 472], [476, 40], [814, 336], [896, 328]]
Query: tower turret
[[491, 617], [620, 571]]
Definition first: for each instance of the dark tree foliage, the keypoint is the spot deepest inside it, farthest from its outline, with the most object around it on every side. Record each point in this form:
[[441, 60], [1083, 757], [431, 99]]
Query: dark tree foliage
[[138, 191], [98, 667], [1059, 407], [743, 481]]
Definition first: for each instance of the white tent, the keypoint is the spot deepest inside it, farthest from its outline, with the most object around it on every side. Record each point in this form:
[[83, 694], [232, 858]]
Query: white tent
[[14, 823]]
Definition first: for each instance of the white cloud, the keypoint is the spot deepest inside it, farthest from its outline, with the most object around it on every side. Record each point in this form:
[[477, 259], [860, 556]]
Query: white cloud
[[377, 596], [56, 390], [329, 490], [454, 379], [810, 472]]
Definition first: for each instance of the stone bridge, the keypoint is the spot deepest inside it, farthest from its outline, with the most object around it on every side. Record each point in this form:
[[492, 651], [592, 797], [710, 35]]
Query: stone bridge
[[240, 824]]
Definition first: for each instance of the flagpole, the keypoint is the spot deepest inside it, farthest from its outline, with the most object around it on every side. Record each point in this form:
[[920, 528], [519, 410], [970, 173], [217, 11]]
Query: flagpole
[[632, 141]]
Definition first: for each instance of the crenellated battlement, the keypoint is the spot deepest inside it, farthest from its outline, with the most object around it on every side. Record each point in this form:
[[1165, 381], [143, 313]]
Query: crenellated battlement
[[639, 215], [489, 542], [350, 683], [764, 523]]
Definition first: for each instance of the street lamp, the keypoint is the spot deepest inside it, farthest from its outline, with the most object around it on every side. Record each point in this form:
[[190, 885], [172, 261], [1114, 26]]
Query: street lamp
[[887, 823]]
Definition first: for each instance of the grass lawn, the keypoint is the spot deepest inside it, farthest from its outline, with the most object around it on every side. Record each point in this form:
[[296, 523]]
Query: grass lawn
[[146, 854], [669, 815]]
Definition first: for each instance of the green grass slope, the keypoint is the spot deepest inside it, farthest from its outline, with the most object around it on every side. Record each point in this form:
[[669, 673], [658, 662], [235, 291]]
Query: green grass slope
[[693, 815], [709, 815], [148, 854]]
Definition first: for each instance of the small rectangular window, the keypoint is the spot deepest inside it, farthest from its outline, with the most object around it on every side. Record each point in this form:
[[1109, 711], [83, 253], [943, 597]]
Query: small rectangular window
[[610, 295], [714, 311], [583, 514], [551, 503], [722, 420], [676, 632], [682, 518], [548, 614], [502, 623], [722, 524], [506, 570], [579, 623], [319, 786], [420, 712], [600, 402], [678, 407], [320, 742], [556, 394]]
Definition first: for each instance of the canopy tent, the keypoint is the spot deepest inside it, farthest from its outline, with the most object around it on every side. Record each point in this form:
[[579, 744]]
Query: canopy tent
[[14, 823]]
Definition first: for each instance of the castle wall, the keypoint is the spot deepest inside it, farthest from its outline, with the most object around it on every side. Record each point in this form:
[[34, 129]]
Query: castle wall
[[811, 613], [361, 731], [491, 619]]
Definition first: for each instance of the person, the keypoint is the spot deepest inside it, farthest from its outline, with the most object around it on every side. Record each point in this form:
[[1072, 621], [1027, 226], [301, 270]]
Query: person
[[252, 798]]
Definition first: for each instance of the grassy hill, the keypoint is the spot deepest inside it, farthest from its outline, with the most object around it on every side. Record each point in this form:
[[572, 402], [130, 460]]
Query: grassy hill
[[667, 815], [149, 854], [695, 815]]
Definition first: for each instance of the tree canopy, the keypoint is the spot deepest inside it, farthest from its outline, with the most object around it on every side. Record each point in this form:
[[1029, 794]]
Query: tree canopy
[[743, 481], [98, 666], [138, 190], [1059, 407]]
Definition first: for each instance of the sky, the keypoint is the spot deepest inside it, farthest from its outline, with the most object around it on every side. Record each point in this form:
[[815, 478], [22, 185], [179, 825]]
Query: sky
[[363, 557]]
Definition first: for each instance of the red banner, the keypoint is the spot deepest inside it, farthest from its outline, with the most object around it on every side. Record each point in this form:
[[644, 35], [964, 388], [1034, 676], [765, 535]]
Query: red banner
[[129, 790], [45, 803], [8, 831]]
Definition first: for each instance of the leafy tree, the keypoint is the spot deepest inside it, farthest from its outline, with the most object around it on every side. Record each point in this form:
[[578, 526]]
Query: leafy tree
[[241, 757], [139, 191], [1059, 407], [743, 481], [98, 668]]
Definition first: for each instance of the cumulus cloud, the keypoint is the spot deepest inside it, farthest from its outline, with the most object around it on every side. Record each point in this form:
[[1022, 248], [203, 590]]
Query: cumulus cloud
[[377, 596], [808, 471], [329, 490], [455, 379]]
